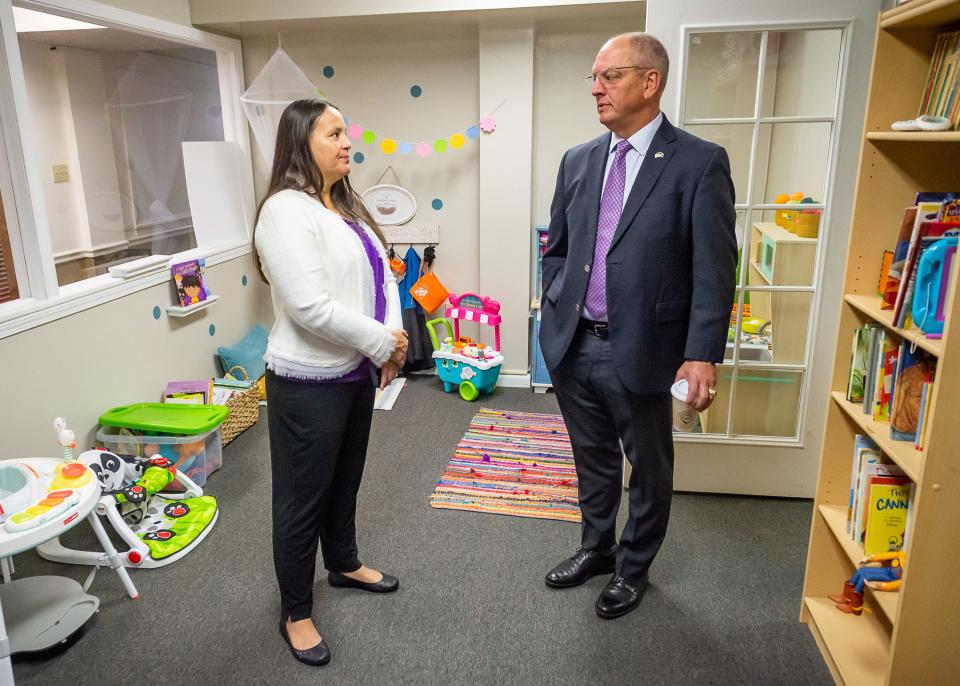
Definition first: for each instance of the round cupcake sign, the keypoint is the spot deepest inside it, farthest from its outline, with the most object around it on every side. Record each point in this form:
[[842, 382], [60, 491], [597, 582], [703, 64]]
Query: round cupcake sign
[[389, 204]]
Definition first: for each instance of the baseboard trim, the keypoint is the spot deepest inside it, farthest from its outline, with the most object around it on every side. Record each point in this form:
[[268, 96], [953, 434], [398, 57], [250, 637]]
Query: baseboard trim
[[514, 381]]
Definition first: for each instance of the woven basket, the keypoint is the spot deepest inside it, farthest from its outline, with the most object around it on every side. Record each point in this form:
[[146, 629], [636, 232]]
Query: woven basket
[[244, 410]]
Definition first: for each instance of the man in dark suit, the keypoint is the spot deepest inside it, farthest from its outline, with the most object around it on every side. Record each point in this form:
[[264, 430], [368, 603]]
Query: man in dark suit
[[638, 281]]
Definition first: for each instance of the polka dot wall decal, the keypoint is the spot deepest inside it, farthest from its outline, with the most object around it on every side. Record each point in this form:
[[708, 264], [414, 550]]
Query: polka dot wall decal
[[212, 329], [358, 157], [416, 91], [437, 204], [388, 145], [440, 144], [243, 279], [405, 148], [328, 71], [456, 141], [156, 312]]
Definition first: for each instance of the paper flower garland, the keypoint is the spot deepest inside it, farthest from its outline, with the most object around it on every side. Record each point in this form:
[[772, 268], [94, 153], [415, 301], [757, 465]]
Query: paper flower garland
[[389, 146]]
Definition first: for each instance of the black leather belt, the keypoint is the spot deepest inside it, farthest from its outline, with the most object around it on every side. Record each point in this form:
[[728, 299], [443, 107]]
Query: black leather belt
[[598, 329]]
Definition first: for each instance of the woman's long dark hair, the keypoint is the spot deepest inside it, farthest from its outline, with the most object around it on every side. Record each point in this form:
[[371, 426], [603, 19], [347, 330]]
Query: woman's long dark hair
[[294, 168]]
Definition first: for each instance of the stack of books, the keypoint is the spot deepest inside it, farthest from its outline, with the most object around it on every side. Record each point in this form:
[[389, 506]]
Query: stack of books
[[216, 391], [935, 216], [941, 94], [878, 511], [892, 379]]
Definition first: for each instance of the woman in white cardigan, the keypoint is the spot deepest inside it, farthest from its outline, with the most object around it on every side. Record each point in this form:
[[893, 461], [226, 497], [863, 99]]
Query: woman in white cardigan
[[337, 334]]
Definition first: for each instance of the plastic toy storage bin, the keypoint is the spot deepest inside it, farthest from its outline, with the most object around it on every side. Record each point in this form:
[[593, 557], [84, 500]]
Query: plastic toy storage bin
[[187, 435]]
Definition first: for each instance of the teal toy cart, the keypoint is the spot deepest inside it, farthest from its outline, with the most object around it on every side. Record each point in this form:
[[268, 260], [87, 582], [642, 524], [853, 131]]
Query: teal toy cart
[[462, 363]]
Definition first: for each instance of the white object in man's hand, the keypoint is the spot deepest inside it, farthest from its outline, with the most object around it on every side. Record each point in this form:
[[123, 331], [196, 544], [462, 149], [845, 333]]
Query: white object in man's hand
[[701, 383]]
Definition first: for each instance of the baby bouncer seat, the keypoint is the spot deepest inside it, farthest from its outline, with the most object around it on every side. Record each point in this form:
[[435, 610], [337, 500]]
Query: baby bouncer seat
[[160, 528]]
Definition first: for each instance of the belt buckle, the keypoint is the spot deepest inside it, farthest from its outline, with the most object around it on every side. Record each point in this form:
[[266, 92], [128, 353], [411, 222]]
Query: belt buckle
[[600, 330]]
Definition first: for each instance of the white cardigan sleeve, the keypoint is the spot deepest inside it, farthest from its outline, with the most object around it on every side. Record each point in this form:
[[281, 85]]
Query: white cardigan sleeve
[[288, 249], [393, 318]]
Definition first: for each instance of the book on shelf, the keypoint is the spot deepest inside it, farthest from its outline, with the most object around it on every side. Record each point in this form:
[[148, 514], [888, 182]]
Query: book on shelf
[[885, 263], [870, 373], [886, 366], [922, 420], [886, 519], [869, 470], [188, 279], [926, 211], [895, 270], [863, 448], [191, 392], [915, 368], [941, 94], [858, 364]]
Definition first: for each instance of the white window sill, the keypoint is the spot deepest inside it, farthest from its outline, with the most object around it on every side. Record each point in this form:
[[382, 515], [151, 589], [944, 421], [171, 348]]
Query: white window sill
[[27, 313]]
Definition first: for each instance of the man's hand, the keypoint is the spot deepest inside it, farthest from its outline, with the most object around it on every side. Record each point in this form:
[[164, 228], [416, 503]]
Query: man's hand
[[388, 372], [701, 383]]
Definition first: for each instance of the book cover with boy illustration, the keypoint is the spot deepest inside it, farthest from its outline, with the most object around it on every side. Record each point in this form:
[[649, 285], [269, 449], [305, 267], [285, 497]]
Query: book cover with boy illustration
[[189, 281]]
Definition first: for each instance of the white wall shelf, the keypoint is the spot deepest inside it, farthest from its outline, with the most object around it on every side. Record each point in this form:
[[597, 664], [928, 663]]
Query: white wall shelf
[[177, 311]]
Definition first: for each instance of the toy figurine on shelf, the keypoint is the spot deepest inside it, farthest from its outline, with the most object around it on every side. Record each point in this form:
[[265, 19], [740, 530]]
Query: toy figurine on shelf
[[886, 577]]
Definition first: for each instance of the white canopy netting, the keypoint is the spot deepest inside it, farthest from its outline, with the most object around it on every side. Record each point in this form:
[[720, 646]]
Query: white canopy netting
[[279, 83]]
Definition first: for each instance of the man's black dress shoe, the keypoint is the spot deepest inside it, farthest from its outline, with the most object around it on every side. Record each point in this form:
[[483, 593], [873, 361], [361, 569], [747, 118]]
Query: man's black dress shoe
[[316, 656], [388, 584], [583, 565], [619, 597]]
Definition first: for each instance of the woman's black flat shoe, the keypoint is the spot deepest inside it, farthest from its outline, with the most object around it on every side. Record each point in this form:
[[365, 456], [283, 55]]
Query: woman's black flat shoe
[[316, 656], [388, 584]]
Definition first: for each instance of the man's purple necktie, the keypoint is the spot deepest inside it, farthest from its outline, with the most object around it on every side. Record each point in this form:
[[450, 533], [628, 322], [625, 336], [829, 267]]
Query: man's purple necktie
[[611, 206]]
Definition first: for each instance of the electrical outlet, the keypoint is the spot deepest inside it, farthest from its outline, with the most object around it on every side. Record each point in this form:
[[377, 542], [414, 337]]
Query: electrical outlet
[[61, 173]]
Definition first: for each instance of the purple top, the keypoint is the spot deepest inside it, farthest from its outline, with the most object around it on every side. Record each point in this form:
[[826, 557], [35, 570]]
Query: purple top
[[362, 371]]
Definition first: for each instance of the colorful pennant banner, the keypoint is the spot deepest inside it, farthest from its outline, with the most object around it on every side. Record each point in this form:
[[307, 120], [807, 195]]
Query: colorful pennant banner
[[389, 146]]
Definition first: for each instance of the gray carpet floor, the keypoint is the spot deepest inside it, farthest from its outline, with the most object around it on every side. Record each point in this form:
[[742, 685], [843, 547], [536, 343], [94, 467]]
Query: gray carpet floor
[[722, 607]]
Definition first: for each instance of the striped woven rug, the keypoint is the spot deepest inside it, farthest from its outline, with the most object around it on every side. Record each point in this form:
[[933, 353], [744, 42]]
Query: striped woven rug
[[512, 463]]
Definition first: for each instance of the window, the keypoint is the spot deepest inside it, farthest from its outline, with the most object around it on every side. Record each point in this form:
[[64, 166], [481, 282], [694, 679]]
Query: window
[[96, 108], [770, 98], [111, 109]]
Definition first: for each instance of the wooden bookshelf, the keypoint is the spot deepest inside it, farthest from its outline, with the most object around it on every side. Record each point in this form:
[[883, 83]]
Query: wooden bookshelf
[[908, 637]]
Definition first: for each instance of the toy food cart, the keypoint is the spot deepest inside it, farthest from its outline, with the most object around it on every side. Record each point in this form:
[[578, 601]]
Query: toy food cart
[[468, 365]]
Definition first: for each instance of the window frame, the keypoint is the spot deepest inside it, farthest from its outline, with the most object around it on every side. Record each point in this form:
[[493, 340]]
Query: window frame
[[845, 26], [42, 299]]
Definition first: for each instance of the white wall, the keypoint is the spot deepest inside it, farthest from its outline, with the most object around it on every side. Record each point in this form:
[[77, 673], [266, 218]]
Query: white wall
[[374, 70], [115, 354], [52, 120], [97, 172], [564, 112]]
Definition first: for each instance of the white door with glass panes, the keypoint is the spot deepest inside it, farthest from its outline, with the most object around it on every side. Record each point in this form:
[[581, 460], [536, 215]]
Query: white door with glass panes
[[772, 96]]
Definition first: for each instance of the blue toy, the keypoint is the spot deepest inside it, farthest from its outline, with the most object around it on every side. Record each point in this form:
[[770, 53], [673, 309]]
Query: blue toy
[[462, 363], [933, 280]]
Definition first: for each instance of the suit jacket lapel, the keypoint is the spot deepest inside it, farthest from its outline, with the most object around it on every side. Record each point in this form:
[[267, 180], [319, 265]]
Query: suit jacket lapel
[[596, 166], [654, 162]]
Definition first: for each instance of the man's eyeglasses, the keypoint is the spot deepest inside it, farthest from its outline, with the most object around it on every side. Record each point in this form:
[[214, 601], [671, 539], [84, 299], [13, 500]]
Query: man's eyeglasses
[[610, 76]]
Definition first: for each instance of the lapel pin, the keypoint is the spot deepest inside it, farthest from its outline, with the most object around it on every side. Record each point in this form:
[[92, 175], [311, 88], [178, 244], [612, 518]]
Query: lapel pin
[[658, 154]]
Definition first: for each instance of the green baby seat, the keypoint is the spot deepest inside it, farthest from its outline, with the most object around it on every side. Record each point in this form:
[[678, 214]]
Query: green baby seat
[[160, 528]]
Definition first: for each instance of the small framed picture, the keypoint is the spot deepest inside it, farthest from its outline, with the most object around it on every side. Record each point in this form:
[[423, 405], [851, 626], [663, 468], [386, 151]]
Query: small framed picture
[[390, 205]]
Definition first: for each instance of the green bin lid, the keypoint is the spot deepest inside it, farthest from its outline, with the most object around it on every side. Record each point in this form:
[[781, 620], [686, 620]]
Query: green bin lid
[[174, 418]]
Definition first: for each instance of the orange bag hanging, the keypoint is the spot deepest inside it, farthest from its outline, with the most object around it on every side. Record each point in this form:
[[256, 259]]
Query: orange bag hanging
[[428, 291]]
